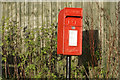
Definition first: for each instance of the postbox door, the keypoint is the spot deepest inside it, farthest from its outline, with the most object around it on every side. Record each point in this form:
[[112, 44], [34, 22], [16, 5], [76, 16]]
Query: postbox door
[[72, 40], [73, 35]]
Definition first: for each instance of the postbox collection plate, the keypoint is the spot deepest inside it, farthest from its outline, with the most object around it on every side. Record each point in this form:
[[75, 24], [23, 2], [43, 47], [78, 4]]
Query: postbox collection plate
[[73, 37]]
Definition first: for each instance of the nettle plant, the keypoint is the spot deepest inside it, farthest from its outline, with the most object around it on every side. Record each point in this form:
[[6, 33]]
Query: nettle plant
[[32, 51], [11, 45]]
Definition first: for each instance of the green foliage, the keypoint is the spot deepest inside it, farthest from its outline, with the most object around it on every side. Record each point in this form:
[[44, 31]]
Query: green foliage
[[36, 50], [33, 46]]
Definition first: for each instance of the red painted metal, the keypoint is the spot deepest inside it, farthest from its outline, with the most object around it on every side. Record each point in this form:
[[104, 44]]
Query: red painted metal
[[69, 19]]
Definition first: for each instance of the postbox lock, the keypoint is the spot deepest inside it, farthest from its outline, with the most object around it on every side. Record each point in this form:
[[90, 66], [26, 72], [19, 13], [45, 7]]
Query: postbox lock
[[73, 27]]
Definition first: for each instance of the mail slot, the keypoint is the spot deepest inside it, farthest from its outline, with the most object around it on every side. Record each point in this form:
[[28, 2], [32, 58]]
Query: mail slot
[[69, 37]]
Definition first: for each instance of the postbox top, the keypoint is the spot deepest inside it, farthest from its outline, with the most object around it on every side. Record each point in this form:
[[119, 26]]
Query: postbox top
[[67, 11]]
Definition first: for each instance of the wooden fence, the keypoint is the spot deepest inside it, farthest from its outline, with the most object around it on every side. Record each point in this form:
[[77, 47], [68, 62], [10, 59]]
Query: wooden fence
[[101, 17]]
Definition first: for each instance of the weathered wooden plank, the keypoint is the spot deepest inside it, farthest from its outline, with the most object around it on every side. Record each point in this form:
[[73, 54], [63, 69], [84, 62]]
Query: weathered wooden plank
[[44, 20], [53, 25], [85, 14], [58, 9], [14, 7], [39, 34], [45, 26], [5, 10], [3, 34], [118, 40], [23, 30], [27, 22], [73, 4], [64, 4], [104, 54], [1, 10], [22, 16], [69, 4], [62, 69], [78, 4], [95, 16], [114, 39], [19, 31]]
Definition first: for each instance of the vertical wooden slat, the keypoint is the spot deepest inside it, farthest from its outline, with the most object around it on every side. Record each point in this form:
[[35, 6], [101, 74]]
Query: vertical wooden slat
[[17, 43], [34, 32], [3, 35], [73, 4], [85, 13], [95, 16], [31, 20], [53, 25], [40, 17], [26, 14], [19, 32], [62, 69], [78, 4], [58, 9], [22, 9], [49, 22], [114, 40], [100, 6], [109, 31], [119, 39], [63, 5], [1, 10], [44, 23], [8, 16], [100, 30], [103, 43], [54, 13], [44, 20], [69, 4], [22, 24]]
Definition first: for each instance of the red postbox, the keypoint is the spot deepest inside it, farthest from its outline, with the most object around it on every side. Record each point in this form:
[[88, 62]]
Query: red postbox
[[69, 37]]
